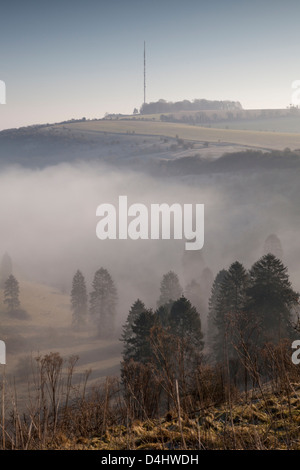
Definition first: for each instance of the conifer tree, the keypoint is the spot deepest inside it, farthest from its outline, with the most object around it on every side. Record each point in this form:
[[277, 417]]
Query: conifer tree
[[11, 294], [135, 311], [230, 311], [185, 322], [170, 288], [271, 297], [163, 314], [139, 343], [103, 300], [79, 300], [212, 307]]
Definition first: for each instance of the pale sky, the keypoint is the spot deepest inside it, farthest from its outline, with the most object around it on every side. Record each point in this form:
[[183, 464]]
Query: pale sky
[[68, 59]]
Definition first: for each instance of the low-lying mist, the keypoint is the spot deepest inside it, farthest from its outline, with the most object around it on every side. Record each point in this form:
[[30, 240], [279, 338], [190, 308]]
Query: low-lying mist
[[48, 224]]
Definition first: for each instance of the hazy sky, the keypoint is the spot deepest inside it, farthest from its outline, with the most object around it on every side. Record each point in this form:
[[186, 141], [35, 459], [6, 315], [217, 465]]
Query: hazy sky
[[68, 59]]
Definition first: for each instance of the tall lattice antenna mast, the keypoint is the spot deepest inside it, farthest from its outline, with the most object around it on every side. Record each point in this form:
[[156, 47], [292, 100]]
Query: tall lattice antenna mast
[[144, 72]]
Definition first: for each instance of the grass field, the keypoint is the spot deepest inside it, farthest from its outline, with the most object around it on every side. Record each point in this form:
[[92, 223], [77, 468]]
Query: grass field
[[48, 329], [286, 124], [267, 140]]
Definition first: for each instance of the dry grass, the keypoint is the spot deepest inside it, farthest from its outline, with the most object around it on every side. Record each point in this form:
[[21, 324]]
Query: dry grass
[[46, 306], [48, 328], [255, 427], [270, 140], [63, 414]]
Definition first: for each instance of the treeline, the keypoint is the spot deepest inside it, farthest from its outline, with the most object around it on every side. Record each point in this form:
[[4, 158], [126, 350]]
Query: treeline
[[166, 356], [206, 117], [229, 162], [24, 130], [163, 106], [249, 309], [201, 117]]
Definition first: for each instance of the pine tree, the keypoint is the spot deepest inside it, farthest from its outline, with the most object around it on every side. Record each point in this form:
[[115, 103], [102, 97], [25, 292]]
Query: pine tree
[[185, 323], [230, 311], [170, 288], [271, 297], [139, 343], [184, 342], [103, 300], [136, 309], [212, 307], [11, 294], [79, 300], [163, 314]]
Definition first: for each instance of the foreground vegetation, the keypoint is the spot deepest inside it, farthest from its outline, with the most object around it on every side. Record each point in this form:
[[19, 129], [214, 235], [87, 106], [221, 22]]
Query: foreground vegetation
[[259, 423], [63, 415]]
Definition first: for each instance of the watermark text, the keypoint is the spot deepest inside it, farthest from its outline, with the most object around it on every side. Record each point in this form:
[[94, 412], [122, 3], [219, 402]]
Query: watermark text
[[2, 352], [2, 92], [160, 221]]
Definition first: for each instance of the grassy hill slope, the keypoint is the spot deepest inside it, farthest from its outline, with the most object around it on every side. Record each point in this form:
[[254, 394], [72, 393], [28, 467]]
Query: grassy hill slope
[[48, 329], [268, 140], [264, 421]]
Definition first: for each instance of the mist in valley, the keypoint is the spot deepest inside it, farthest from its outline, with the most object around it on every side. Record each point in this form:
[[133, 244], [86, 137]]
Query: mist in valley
[[48, 222], [48, 227]]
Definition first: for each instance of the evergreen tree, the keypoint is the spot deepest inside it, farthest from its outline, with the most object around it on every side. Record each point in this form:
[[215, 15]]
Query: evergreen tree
[[164, 346], [139, 343], [163, 314], [213, 306], [11, 294], [271, 297], [230, 308], [185, 323], [136, 309], [180, 319], [103, 300], [184, 343], [79, 300], [170, 288]]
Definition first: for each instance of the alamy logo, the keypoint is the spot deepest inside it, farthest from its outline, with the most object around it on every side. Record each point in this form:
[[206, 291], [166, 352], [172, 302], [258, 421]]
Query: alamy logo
[[137, 222], [2, 353], [296, 354], [2, 92]]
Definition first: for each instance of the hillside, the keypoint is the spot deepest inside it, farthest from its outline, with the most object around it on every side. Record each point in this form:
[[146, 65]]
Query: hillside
[[48, 329], [138, 144], [266, 140], [266, 421]]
